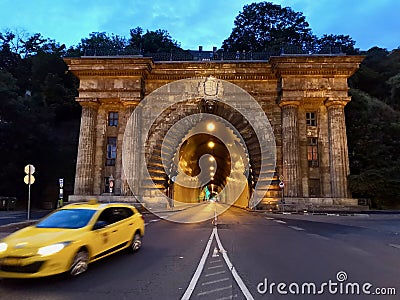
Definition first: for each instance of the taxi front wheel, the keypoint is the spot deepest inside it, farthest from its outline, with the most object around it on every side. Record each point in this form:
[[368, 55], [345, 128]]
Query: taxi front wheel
[[80, 263]]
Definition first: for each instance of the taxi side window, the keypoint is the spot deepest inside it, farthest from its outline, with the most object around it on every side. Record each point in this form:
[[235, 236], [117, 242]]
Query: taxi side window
[[115, 214]]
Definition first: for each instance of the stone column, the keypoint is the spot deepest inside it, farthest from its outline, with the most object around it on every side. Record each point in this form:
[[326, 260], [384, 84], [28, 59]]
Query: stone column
[[338, 152], [128, 108], [291, 149], [86, 148]]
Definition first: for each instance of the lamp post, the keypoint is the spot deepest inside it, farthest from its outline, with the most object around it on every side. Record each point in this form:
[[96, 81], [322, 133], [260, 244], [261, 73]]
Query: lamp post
[[111, 185]]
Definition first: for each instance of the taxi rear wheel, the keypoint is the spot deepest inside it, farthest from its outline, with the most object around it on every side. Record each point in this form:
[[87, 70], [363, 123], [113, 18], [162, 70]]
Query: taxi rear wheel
[[80, 263], [136, 243]]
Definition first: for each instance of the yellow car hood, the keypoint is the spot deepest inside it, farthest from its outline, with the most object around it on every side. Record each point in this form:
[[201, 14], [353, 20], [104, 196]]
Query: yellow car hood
[[32, 237]]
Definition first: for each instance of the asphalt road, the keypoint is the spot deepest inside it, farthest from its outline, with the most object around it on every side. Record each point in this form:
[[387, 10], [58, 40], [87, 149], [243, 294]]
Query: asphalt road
[[247, 255], [7, 217]]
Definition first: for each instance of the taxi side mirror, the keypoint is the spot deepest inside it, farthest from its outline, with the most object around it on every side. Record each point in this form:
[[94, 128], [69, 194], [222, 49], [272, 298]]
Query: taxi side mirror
[[99, 225]]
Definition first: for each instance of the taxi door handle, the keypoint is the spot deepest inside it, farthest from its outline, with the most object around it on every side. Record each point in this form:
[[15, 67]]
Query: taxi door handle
[[115, 231]]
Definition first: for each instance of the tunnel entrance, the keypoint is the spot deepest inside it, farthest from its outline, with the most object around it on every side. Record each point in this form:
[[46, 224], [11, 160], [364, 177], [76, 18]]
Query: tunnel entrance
[[204, 139], [211, 155]]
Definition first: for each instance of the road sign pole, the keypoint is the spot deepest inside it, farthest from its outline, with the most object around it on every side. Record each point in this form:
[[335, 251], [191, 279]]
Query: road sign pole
[[29, 180], [29, 199], [60, 201]]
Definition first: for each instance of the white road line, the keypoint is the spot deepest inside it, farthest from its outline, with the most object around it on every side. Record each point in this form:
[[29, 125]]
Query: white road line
[[215, 290], [215, 281], [318, 236], [228, 297], [215, 267], [280, 221], [235, 274], [296, 228], [216, 273], [154, 220], [200, 267], [395, 246], [269, 218], [215, 261]]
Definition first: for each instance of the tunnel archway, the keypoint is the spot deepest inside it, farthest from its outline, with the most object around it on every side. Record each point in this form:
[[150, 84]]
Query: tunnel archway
[[183, 106]]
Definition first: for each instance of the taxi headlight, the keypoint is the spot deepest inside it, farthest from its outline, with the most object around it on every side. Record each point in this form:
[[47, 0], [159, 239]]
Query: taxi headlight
[[3, 247], [52, 249]]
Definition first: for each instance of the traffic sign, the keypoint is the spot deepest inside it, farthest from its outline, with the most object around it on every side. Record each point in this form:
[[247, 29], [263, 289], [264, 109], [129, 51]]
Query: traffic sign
[[281, 184], [281, 178], [61, 182], [29, 169], [29, 179]]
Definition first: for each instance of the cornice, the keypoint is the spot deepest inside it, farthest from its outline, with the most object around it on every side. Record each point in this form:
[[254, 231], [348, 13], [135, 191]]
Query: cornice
[[315, 65], [109, 66]]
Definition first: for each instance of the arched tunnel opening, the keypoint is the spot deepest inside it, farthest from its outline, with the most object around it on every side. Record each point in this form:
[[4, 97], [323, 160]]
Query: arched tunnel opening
[[211, 164]]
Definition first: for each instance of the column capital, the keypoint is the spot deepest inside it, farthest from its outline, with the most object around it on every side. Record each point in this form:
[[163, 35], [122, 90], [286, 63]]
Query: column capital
[[286, 103], [128, 102], [330, 102], [92, 102]]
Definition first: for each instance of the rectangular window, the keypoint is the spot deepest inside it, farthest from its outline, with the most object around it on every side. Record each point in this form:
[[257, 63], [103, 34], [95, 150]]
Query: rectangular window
[[311, 119], [312, 152], [111, 151], [113, 118]]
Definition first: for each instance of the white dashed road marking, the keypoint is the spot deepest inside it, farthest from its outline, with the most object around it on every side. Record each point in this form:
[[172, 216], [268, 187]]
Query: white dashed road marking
[[215, 290], [395, 246], [296, 228], [215, 281], [280, 221]]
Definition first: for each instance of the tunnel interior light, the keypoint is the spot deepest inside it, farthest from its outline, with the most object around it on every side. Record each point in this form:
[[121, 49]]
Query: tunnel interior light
[[211, 144], [210, 126]]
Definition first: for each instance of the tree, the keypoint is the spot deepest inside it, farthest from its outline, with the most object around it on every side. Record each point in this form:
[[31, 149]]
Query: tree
[[332, 43], [100, 43], [378, 75], [152, 41], [264, 25], [39, 118], [373, 131]]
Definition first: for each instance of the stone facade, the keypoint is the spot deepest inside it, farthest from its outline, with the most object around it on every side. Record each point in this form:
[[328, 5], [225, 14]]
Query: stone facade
[[302, 96]]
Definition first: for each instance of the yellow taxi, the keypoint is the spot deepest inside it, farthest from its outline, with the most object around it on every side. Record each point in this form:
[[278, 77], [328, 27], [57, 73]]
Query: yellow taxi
[[70, 238]]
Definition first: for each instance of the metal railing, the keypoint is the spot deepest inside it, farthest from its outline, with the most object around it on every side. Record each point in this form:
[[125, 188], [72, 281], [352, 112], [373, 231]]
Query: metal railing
[[188, 55]]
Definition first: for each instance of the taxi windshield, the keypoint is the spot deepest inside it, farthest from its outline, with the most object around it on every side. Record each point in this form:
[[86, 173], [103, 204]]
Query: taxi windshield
[[67, 218]]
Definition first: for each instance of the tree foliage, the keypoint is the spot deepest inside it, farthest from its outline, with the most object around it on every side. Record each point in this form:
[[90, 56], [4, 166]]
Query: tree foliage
[[152, 41], [265, 25], [36, 106], [373, 129], [101, 43]]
